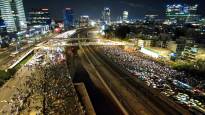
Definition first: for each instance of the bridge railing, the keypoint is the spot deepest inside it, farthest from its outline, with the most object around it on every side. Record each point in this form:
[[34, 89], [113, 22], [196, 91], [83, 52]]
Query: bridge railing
[[21, 59]]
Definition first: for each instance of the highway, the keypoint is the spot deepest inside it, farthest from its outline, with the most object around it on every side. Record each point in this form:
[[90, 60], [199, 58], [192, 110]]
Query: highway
[[5, 55], [130, 95], [133, 97]]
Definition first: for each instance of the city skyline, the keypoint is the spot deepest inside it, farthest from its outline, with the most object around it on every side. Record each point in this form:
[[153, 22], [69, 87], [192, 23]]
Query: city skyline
[[137, 9], [102, 57]]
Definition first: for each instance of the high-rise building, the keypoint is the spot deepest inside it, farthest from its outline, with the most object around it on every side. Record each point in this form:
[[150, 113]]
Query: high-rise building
[[106, 15], [3, 30], [125, 16], [18, 14], [68, 18], [84, 21], [181, 13], [39, 17], [12, 12], [150, 18]]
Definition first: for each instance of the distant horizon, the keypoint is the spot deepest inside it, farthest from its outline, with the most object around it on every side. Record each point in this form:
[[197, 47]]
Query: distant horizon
[[137, 8]]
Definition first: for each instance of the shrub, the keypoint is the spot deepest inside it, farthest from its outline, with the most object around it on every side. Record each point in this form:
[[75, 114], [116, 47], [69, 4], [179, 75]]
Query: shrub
[[1, 82], [12, 71], [4, 75]]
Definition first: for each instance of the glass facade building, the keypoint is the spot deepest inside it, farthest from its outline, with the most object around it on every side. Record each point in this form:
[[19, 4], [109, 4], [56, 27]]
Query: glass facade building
[[84, 21], [68, 18], [12, 12], [106, 15], [19, 14], [39, 17], [7, 16], [125, 16], [181, 13]]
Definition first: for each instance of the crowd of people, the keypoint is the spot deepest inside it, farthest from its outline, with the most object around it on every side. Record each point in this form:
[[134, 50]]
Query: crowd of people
[[151, 72], [56, 87], [18, 101], [139, 64], [59, 92], [48, 90]]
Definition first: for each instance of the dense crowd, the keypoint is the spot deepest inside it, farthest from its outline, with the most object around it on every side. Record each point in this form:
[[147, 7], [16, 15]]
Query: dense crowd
[[55, 85], [49, 89], [140, 65], [167, 80], [59, 92]]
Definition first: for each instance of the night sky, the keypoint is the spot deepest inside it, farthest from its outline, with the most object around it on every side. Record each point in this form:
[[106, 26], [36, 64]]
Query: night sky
[[93, 8]]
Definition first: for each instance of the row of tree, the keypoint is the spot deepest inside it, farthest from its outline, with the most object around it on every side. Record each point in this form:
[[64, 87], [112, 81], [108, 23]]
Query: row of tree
[[194, 69], [159, 32], [4, 76]]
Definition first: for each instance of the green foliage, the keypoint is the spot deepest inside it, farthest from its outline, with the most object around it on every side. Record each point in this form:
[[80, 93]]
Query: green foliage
[[12, 71], [23, 62], [1, 82], [181, 66], [200, 65], [194, 69], [122, 32], [4, 75], [180, 32], [109, 32]]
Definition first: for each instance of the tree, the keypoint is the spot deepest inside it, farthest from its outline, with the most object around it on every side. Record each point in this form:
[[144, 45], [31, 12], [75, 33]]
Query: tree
[[4, 75], [109, 32], [122, 31], [179, 32]]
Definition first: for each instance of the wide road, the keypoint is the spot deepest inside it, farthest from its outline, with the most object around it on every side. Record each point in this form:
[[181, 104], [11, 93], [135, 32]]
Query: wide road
[[128, 91], [6, 60], [133, 94], [133, 103]]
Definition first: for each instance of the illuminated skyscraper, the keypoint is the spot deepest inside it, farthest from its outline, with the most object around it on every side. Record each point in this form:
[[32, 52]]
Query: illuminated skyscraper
[[84, 21], [18, 14], [7, 15], [12, 11], [68, 18], [125, 16], [150, 18], [106, 15], [181, 13], [39, 17]]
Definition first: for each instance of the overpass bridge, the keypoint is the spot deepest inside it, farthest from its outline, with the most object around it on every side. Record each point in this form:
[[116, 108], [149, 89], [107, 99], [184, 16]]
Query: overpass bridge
[[64, 42], [91, 44], [74, 39]]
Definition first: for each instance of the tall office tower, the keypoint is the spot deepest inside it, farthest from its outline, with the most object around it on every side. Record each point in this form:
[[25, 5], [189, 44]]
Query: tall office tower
[[7, 15], [106, 15], [68, 18], [181, 13], [119, 19], [39, 17], [84, 21], [125, 16], [18, 14], [12, 12]]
